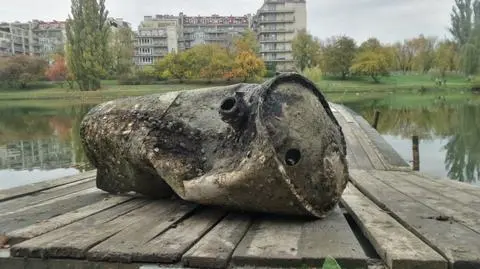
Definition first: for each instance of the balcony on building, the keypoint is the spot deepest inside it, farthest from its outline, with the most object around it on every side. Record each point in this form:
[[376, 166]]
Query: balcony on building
[[276, 20], [276, 30]]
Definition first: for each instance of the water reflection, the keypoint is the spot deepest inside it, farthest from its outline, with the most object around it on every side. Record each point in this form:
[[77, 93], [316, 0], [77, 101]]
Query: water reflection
[[449, 135], [40, 144]]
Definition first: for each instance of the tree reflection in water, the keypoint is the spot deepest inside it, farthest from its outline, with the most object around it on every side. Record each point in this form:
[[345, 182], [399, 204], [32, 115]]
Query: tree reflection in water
[[41, 138], [458, 124]]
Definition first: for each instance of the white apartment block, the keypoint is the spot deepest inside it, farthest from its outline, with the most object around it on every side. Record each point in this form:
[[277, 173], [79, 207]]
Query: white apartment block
[[160, 34], [39, 38], [155, 38], [18, 38], [215, 29], [276, 23]]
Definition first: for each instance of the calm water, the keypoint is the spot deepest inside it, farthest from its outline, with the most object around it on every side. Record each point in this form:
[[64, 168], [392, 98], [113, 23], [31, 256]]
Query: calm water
[[43, 143]]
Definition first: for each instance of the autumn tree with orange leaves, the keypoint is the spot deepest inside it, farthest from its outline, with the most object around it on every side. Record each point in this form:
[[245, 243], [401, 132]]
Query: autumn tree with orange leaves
[[58, 71]]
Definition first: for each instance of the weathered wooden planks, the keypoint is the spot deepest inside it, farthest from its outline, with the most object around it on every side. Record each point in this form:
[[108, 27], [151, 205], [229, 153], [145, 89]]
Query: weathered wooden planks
[[20, 263], [46, 210], [460, 192], [171, 245], [359, 137], [69, 217], [20, 204], [398, 247], [123, 246], [73, 240], [283, 242], [474, 190], [447, 207], [458, 243], [215, 249], [356, 150], [392, 159], [44, 185]]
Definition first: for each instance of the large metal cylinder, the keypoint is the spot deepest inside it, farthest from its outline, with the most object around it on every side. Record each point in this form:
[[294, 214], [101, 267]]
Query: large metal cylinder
[[274, 147]]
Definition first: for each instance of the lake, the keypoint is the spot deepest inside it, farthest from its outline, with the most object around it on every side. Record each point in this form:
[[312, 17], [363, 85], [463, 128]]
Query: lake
[[41, 142]]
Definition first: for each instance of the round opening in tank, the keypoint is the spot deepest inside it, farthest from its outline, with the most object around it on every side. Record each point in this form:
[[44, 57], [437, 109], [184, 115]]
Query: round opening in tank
[[292, 157], [228, 104]]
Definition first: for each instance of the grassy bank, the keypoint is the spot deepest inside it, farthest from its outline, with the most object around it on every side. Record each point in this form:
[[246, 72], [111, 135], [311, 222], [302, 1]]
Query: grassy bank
[[393, 83], [353, 88]]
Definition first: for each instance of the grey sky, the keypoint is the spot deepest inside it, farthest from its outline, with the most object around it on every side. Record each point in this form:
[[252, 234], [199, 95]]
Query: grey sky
[[389, 20]]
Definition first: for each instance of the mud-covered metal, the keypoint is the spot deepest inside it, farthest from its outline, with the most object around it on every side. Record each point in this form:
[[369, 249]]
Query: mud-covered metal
[[274, 147]]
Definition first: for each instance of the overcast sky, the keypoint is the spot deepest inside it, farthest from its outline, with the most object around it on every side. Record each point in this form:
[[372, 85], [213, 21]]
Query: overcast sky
[[389, 20]]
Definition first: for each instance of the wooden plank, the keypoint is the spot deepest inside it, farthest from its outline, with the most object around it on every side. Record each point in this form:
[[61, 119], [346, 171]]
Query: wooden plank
[[20, 191], [73, 240], [361, 157], [20, 263], [171, 245], [459, 244], [215, 249], [468, 188], [455, 193], [49, 209], [445, 206], [270, 242], [331, 237], [20, 204], [390, 155], [49, 225], [398, 247], [273, 241], [373, 155], [122, 246]]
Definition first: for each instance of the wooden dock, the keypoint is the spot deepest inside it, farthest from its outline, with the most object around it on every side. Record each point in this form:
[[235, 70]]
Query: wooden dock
[[389, 217]]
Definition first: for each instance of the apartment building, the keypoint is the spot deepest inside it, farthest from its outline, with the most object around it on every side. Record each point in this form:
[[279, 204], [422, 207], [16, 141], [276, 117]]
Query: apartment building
[[215, 29], [18, 38], [51, 35], [276, 24], [156, 37], [39, 38]]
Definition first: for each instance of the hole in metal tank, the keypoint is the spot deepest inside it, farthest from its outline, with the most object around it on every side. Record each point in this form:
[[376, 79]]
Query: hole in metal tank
[[292, 157]]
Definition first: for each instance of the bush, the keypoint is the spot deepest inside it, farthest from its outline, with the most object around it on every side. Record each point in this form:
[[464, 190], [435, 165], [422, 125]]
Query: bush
[[18, 71], [314, 74], [142, 76]]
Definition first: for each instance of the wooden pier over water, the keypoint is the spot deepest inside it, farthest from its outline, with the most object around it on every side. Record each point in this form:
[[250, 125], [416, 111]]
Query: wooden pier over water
[[389, 217]]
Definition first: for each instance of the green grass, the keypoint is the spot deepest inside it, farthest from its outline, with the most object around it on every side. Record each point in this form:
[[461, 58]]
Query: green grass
[[108, 92], [394, 83], [354, 89]]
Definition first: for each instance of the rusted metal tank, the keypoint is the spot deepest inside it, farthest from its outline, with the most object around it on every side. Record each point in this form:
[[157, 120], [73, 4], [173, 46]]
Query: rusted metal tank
[[274, 147]]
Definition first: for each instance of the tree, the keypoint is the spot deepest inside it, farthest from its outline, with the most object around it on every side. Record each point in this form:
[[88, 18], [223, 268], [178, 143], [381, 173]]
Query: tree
[[246, 42], [209, 61], [247, 66], [404, 54], [446, 57], [175, 65], [461, 21], [338, 55], [58, 71], [372, 60], [18, 71], [306, 50], [424, 53], [87, 42], [122, 51], [469, 59]]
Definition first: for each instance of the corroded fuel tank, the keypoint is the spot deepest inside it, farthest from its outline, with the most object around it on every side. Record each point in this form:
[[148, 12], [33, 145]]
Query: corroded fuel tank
[[274, 147]]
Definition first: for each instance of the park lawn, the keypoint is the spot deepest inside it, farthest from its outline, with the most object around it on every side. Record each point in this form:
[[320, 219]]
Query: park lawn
[[108, 92], [351, 89], [392, 83]]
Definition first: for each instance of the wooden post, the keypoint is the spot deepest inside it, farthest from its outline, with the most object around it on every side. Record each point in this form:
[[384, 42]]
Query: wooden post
[[377, 118], [416, 153]]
